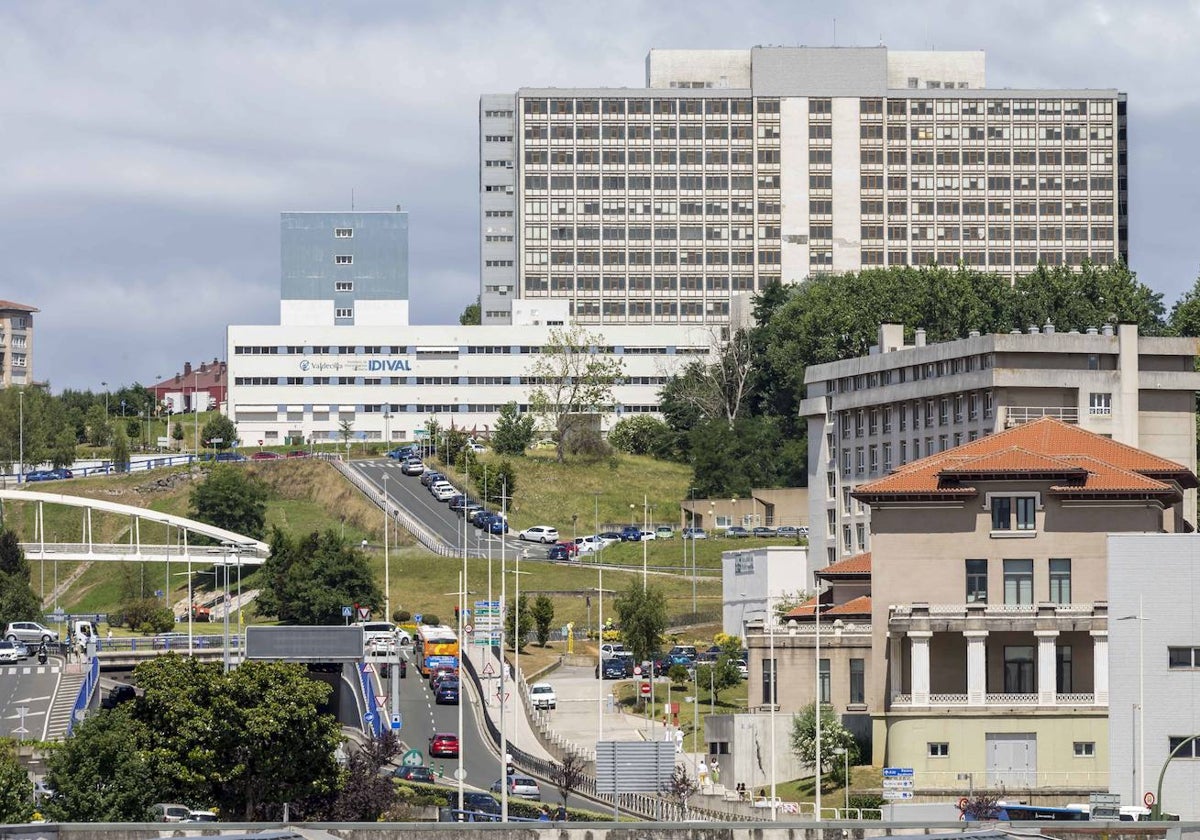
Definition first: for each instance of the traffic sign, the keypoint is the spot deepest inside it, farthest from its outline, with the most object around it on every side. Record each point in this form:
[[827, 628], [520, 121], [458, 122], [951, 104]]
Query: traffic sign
[[413, 758], [364, 613], [898, 784], [417, 618], [893, 772], [347, 612], [460, 773], [397, 722], [637, 670], [897, 794], [468, 629], [645, 688], [488, 670], [370, 717]]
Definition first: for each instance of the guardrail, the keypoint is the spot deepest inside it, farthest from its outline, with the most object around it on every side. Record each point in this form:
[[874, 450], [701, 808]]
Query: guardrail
[[373, 716], [399, 515], [84, 698]]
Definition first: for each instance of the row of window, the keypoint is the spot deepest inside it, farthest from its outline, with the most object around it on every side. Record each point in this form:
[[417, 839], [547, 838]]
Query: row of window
[[817, 106], [1028, 259], [660, 207], [662, 232], [979, 233], [662, 257], [870, 421], [427, 408], [643, 308], [659, 183], [640, 283], [471, 349], [941, 749], [1018, 581]]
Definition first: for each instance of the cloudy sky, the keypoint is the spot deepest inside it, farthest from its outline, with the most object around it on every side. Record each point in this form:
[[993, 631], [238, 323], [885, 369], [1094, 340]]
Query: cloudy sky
[[146, 149]]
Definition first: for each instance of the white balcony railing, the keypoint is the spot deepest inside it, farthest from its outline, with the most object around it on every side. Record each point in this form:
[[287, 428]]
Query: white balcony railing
[[1018, 415], [903, 700], [960, 610]]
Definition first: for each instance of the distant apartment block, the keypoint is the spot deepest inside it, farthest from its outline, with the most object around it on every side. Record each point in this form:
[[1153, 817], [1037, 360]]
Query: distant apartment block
[[872, 415], [16, 343], [731, 169]]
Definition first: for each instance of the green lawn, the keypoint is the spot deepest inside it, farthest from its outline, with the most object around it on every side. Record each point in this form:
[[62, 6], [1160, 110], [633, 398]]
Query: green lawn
[[691, 715]]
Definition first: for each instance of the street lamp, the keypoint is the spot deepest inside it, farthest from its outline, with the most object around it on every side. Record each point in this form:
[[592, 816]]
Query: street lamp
[[21, 456], [817, 697], [845, 754], [104, 385], [1140, 738], [387, 571], [387, 427]]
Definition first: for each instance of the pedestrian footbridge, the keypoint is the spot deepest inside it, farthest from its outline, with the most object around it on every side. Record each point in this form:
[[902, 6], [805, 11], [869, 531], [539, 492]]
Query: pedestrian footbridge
[[171, 538]]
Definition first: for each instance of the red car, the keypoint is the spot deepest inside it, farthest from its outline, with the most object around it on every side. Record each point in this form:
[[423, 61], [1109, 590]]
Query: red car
[[265, 456], [570, 545], [443, 745], [297, 453]]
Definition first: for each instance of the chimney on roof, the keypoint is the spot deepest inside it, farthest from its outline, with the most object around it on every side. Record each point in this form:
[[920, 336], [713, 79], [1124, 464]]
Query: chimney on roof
[[1033, 330], [1092, 331], [1048, 329], [187, 368], [973, 334], [1107, 329], [919, 337]]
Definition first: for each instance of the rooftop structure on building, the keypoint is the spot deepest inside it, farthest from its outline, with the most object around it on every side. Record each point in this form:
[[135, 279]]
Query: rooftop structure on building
[[16, 343], [732, 169], [873, 414]]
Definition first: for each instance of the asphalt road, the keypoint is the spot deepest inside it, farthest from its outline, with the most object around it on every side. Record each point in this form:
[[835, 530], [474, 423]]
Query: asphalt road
[[30, 686]]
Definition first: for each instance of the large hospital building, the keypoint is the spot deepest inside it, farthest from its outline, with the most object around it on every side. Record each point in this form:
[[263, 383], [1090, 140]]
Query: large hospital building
[[735, 168]]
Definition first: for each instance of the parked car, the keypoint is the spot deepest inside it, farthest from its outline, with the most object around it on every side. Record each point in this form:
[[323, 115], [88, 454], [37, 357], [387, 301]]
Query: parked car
[[560, 552], [460, 502], [400, 453], [49, 475], [200, 816], [518, 785], [539, 533], [22, 649], [631, 533], [694, 534], [763, 531], [803, 529], [470, 507], [743, 668], [541, 696], [8, 652], [613, 649], [265, 456], [735, 532], [571, 546], [611, 669], [431, 477], [229, 456], [443, 492], [415, 774], [787, 531], [30, 632], [446, 693], [609, 537], [497, 525], [443, 745], [169, 812], [684, 650], [412, 466], [118, 694], [297, 453], [664, 532]]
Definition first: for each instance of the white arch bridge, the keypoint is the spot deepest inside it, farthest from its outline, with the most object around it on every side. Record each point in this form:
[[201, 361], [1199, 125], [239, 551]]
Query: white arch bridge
[[231, 549]]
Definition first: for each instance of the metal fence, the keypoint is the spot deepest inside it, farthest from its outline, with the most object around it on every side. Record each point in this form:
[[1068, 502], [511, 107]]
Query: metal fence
[[84, 698]]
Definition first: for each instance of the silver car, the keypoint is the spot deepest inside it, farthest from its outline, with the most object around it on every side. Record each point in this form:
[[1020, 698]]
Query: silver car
[[30, 632], [8, 652], [521, 786]]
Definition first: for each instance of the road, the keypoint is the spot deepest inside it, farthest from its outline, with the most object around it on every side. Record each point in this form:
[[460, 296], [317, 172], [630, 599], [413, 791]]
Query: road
[[30, 686]]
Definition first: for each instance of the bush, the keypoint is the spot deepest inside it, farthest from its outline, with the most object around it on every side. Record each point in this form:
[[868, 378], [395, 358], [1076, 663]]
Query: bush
[[145, 615], [587, 444], [430, 620], [401, 616], [867, 801], [678, 674], [637, 435]]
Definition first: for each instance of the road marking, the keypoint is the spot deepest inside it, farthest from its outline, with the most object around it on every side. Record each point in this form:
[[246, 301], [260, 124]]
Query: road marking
[[26, 670]]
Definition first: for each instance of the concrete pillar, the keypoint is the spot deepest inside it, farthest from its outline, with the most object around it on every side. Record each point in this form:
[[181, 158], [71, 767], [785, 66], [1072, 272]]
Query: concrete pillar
[[1100, 666], [920, 666], [1125, 427], [1047, 672], [976, 667]]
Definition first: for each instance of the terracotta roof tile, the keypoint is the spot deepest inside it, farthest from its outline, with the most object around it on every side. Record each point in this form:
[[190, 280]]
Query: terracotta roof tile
[[856, 606], [859, 564], [1047, 446], [23, 307]]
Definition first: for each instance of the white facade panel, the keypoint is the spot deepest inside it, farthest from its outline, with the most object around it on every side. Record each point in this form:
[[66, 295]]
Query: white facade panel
[[381, 313], [793, 140], [755, 580], [847, 244], [306, 313]]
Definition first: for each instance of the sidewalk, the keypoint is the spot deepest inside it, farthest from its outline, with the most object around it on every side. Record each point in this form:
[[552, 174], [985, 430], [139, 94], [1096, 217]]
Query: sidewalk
[[518, 729]]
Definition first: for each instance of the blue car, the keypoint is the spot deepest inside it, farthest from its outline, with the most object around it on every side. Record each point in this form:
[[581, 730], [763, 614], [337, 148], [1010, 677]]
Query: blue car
[[558, 552], [400, 453], [49, 475], [497, 525], [446, 693], [229, 456]]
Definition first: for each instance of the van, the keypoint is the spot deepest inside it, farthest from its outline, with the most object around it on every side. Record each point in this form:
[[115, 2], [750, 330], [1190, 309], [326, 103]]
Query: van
[[169, 812], [381, 636]]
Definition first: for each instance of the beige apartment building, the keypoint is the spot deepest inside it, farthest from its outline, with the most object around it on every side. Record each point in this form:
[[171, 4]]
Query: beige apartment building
[[972, 641], [903, 402], [16, 343]]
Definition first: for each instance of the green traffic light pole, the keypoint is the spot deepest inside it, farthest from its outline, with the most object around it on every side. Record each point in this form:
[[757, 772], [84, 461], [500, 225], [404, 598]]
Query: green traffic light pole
[[1156, 811]]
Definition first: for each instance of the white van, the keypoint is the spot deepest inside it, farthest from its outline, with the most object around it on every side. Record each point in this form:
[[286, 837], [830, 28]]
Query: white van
[[381, 636]]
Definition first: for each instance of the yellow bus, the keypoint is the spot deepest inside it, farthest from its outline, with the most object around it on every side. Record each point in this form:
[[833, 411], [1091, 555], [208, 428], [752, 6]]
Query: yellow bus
[[436, 646]]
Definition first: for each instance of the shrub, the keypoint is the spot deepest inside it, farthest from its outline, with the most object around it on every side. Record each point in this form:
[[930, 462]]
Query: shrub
[[637, 435], [430, 619], [587, 444], [401, 616], [678, 674]]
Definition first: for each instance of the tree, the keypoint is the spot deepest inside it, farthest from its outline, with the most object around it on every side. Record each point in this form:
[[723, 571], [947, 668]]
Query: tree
[[103, 771], [513, 432], [307, 580], [543, 616], [1185, 314], [680, 788], [640, 434], [833, 736], [62, 453], [719, 675], [568, 775], [16, 791], [97, 426], [573, 379], [511, 611], [471, 316], [177, 434], [231, 499], [718, 391], [219, 433], [642, 614], [17, 599], [133, 428], [120, 451]]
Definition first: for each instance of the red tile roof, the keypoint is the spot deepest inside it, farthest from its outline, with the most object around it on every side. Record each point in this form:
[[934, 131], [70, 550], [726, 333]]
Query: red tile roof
[[860, 606], [1082, 462], [859, 564], [23, 307]]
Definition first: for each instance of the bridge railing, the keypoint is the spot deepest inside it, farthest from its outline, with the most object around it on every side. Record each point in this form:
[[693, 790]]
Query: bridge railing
[[84, 698]]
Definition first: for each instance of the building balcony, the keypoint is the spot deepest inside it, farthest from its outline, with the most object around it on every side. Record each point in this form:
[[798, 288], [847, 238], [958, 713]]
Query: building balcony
[[1019, 415], [904, 702], [997, 617]]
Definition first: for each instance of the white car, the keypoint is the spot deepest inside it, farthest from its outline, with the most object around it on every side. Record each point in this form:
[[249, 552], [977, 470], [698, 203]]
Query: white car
[[8, 652], [539, 533], [443, 491], [541, 696], [590, 544]]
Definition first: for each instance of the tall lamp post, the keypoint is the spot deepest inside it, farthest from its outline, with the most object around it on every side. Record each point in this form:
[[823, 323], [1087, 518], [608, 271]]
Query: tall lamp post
[[21, 455], [817, 698], [845, 754], [1139, 778], [387, 569], [196, 406]]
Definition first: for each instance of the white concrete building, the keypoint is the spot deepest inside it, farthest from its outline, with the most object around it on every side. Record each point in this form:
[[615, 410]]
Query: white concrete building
[[1154, 668], [753, 580], [293, 384], [902, 402], [731, 169]]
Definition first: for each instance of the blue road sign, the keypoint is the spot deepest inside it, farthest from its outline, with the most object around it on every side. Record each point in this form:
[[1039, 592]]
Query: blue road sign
[[417, 618], [397, 722], [369, 717], [897, 772], [347, 612]]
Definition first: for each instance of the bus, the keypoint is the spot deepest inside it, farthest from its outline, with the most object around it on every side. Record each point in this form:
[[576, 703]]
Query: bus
[[436, 646], [1020, 812]]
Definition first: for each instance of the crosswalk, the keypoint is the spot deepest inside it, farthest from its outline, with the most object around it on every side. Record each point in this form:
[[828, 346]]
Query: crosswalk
[[26, 670]]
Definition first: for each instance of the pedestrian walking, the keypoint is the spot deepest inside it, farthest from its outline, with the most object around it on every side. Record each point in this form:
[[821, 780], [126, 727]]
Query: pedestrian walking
[[715, 770], [678, 741], [702, 773]]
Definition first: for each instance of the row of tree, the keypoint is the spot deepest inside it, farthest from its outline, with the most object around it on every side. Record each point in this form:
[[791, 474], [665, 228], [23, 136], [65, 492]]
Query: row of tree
[[724, 417]]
